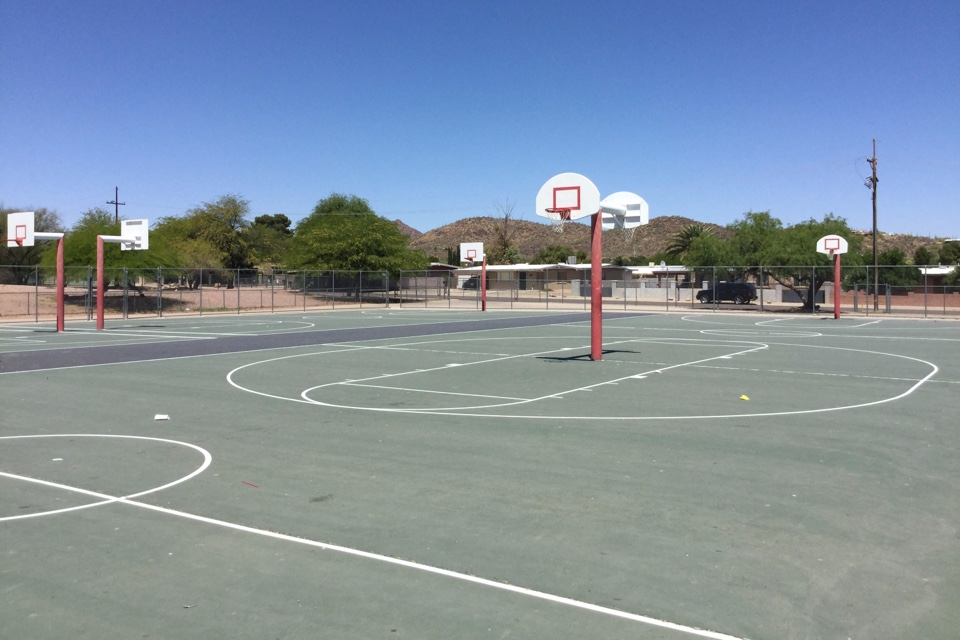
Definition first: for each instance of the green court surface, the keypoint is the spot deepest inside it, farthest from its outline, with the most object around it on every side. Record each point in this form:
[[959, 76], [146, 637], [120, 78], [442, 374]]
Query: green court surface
[[417, 474]]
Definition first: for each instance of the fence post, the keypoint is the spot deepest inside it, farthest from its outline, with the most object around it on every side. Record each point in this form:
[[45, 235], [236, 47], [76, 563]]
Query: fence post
[[386, 289], [713, 286], [666, 286], [159, 292], [888, 297], [813, 292], [760, 282], [238, 291], [200, 288], [925, 292], [89, 301], [36, 295], [126, 291]]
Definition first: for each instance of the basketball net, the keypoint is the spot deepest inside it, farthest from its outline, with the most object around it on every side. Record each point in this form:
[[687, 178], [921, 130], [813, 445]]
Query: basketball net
[[558, 217]]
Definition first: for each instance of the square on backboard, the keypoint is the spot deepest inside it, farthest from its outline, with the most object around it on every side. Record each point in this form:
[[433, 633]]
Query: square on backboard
[[471, 251], [566, 198]]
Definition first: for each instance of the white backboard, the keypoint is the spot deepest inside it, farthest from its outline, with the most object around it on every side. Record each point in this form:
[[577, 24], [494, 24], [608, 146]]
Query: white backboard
[[20, 226], [568, 191], [831, 245], [623, 210], [471, 252], [136, 233]]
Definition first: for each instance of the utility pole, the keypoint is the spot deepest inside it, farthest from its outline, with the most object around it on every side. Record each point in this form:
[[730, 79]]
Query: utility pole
[[872, 185], [116, 206]]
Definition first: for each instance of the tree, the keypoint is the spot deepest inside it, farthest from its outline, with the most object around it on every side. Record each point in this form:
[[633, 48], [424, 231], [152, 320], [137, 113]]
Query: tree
[[680, 244], [21, 260], [894, 269], [80, 246], [277, 221], [950, 252], [760, 242], [220, 224], [268, 238], [922, 257], [628, 261], [503, 250], [557, 254], [953, 279], [786, 257], [344, 233], [211, 237], [707, 250]]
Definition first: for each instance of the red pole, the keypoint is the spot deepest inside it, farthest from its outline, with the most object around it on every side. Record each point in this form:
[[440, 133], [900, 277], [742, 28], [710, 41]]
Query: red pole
[[836, 286], [99, 283], [483, 284], [596, 282], [60, 285]]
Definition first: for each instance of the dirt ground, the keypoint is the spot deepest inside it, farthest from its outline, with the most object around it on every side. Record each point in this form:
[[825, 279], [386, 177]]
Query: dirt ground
[[27, 301]]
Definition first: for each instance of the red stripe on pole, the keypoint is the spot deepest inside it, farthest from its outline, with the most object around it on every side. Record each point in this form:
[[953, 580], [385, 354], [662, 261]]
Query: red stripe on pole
[[836, 286], [60, 285], [596, 281], [99, 283]]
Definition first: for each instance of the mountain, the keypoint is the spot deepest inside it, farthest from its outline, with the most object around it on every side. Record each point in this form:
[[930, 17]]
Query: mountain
[[531, 237], [407, 230]]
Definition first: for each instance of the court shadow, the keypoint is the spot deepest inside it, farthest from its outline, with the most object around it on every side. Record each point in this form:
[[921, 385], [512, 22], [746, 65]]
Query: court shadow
[[583, 357]]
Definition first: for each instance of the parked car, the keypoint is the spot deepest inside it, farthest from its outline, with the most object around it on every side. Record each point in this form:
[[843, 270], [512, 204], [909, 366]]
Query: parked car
[[735, 292]]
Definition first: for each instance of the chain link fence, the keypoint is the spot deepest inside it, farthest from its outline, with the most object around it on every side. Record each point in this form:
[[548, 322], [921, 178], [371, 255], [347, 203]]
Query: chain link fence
[[29, 293]]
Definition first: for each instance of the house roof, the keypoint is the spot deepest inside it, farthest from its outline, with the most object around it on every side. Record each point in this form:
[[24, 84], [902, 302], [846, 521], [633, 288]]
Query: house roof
[[532, 267], [939, 270], [657, 270]]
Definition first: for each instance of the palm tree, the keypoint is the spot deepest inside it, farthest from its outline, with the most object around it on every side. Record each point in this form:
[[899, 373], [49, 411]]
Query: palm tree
[[681, 242]]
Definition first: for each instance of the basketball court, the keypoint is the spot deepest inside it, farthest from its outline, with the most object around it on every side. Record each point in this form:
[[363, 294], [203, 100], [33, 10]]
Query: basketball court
[[420, 474]]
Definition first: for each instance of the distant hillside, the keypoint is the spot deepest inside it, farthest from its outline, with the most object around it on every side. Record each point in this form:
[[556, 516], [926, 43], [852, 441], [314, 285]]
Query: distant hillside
[[531, 237], [407, 230]]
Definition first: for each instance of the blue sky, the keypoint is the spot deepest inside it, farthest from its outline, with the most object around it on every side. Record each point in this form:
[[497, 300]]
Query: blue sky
[[436, 111]]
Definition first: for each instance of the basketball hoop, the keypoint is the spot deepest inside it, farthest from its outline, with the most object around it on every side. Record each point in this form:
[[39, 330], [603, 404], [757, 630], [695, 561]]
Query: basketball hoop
[[558, 217], [627, 234]]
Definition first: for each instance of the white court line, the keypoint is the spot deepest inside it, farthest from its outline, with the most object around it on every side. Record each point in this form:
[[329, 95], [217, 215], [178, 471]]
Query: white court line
[[139, 334], [443, 367], [443, 393], [447, 410], [570, 602], [207, 459], [464, 411]]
